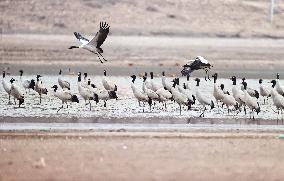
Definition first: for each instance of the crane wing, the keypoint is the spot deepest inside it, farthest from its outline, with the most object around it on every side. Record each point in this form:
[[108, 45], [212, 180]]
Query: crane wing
[[100, 37]]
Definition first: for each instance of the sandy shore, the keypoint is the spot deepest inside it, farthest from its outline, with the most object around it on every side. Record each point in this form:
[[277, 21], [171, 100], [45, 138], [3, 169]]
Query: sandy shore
[[141, 156]]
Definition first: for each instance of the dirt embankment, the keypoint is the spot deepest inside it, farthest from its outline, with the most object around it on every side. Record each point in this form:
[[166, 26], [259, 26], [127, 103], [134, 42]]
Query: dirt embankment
[[234, 18]]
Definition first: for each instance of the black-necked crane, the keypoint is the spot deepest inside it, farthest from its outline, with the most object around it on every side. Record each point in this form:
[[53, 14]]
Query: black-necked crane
[[238, 93], [107, 83], [198, 63], [229, 100], [278, 100], [138, 94], [279, 87], [250, 91], [27, 84], [264, 91], [85, 92], [217, 93], [17, 93], [153, 96], [64, 84], [181, 98], [95, 44], [187, 92], [155, 86], [202, 99], [64, 95], [40, 88], [250, 101], [165, 83], [7, 86]]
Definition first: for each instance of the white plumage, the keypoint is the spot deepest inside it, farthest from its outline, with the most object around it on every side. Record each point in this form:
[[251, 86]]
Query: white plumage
[[85, 92], [278, 100], [279, 87], [203, 100], [251, 102], [166, 84], [217, 93], [138, 94], [63, 83], [237, 93], [94, 45], [64, 95], [7, 86], [264, 91], [17, 93], [40, 88], [179, 97], [108, 84]]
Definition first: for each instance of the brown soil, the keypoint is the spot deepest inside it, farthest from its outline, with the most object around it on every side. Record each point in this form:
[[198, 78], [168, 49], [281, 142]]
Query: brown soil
[[141, 156], [231, 18]]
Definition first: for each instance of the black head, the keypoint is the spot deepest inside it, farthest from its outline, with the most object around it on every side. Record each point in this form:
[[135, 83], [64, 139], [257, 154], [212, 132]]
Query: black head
[[55, 87], [215, 77], [177, 81], [222, 86], [79, 77], [145, 74], [212, 105], [277, 76], [105, 73], [32, 84], [4, 74], [89, 81], [79, 73], [273, 83], [233, 78], [243, 79], [60, 72], [152, 75], [93, 86], [96, 98], [228, 92], [184, 86], [21, 72], [260, 81], [112, 95], [115, 88], [197, 81], [163, 73], [144, 78], [37, 77], [12, 80], [74, 98], [245, 85], [174, 82], [193, 98], [187, 77], [85, 75], [133, 78]]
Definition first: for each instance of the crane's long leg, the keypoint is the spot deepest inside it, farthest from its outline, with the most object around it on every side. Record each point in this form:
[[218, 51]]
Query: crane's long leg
[[99, 58], [103, 57]]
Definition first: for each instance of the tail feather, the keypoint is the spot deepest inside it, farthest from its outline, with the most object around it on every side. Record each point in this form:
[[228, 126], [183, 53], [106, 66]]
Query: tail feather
[[212, 104]]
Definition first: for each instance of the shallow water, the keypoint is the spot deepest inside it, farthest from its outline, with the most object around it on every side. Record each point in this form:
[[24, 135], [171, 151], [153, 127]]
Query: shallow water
[[126, 106]]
